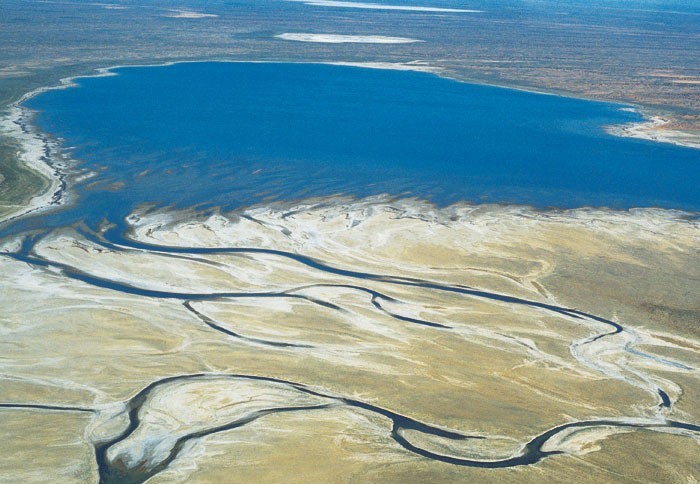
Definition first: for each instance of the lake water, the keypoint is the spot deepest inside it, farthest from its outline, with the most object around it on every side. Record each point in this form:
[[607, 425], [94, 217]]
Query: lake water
[[234, 134]]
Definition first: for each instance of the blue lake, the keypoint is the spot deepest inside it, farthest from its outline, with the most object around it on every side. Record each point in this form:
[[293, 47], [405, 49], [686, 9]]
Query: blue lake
[[234, 134]]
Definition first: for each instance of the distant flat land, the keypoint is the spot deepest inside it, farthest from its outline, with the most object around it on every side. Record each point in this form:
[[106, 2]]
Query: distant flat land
[[343, 340], [639, 53]]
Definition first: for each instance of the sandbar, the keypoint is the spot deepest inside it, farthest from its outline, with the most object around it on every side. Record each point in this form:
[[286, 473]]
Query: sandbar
[[381, 6], [345, 39]]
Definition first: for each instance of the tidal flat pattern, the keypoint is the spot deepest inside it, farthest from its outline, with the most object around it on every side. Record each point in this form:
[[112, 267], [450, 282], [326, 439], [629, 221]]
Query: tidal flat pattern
[[161, 331], [369, 338]]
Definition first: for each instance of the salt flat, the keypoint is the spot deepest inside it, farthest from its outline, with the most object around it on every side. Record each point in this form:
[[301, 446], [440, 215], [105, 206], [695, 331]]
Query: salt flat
[[335, 321], [345, 39]]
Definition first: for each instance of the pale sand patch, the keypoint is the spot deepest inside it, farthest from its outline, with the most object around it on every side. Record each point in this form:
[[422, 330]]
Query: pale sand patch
[[179, 409], [378, 6], [189, 14], [653, 129], [417, 66], [345, 39]]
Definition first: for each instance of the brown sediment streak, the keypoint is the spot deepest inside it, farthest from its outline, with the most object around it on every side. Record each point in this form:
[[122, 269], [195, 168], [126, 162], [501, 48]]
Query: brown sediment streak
[[114, 241]]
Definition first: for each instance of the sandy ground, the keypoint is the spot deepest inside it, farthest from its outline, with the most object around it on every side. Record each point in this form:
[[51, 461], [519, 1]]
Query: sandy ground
[[345, 39], [659, 129], [190, 14], [381, 6], [477, 320]]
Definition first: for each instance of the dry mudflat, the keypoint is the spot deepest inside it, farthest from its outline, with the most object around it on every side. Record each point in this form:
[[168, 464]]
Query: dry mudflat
[[340, 340]]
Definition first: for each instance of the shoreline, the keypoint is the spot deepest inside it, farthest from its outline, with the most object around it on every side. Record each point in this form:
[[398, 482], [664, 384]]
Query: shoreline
[[40, 154], [651, 128], [360, 208], [43, 155]]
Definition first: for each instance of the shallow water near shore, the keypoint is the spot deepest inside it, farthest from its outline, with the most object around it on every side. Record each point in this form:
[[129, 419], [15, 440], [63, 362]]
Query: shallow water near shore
[[236, 134]]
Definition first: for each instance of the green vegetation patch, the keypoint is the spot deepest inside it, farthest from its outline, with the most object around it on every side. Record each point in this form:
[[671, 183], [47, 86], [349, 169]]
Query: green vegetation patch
[[18, 183]]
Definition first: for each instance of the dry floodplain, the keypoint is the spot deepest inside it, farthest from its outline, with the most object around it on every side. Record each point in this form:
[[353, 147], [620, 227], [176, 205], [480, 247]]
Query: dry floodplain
[[354, 340]]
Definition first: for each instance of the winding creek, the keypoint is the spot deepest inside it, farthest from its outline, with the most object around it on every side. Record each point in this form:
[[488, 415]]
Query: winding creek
[[532, 451]]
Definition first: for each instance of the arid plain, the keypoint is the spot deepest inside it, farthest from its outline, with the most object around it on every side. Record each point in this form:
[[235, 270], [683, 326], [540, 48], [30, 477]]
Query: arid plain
[[354, 340]]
